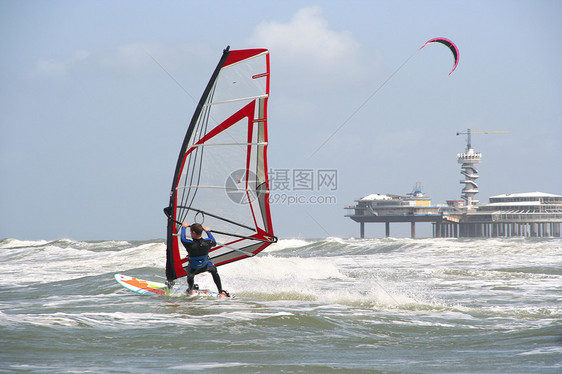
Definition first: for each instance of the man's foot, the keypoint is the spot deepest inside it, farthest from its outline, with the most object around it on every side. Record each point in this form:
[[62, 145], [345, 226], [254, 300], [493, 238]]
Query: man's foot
[[193, 291], [224, 293]]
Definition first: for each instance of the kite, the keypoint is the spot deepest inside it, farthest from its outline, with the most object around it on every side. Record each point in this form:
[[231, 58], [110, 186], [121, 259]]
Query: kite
[[447, 43]]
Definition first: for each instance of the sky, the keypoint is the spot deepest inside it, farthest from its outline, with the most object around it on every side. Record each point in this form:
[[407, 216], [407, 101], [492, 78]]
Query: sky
[[95, 99]]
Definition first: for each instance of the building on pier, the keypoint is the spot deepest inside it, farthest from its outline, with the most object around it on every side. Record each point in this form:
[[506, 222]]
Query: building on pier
[[534, 214], [413, 207]]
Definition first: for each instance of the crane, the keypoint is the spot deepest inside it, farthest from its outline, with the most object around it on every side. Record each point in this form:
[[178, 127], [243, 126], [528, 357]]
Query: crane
[[469, 132]]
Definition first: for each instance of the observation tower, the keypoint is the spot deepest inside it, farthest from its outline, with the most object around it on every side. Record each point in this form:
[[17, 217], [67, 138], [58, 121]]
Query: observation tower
[[468, 159]]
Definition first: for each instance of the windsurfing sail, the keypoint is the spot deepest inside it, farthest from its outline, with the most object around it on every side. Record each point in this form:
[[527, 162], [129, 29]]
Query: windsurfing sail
[[221, 176], [450, 45]]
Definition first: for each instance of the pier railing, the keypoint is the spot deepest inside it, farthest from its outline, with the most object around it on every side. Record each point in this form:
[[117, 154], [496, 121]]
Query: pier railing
[[527, 217]]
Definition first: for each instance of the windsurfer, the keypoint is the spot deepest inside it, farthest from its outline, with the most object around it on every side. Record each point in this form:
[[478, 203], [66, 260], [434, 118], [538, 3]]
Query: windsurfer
[[198, 255]]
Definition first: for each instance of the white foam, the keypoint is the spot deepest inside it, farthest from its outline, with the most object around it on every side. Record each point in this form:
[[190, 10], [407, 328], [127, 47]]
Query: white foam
[[285, 244], [207, 365], [15, 243], [50, 263]]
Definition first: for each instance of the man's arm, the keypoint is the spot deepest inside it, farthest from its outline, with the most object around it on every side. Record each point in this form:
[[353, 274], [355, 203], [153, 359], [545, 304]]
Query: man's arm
[[184, 226], [211, 237]]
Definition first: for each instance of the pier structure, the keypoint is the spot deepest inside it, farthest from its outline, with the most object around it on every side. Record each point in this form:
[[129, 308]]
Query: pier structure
[[532, 214]]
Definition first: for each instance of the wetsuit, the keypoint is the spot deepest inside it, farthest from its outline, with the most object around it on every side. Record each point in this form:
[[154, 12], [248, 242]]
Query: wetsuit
[[198, 252]]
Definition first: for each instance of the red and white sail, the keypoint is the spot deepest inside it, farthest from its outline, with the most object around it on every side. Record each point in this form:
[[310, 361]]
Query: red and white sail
[[221, 177]]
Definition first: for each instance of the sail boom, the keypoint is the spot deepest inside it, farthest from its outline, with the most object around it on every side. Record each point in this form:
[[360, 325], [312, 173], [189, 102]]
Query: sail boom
[[249, 254]]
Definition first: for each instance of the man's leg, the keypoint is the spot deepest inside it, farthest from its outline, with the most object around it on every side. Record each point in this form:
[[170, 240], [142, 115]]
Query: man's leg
[[190, 282], [190, 279], [213, 270]]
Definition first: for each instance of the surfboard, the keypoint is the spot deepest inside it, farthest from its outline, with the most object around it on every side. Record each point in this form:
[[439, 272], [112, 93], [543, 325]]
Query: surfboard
[[146, 287]]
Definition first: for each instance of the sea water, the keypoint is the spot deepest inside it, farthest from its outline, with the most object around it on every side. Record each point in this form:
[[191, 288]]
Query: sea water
[[316, 306]]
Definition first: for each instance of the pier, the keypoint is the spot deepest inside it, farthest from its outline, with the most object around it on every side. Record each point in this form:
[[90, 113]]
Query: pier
[[533, 214]]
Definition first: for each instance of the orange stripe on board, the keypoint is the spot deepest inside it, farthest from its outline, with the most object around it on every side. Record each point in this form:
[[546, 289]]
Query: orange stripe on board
[[144, 285]]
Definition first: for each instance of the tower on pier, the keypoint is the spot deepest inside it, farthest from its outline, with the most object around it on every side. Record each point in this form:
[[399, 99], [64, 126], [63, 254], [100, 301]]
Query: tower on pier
[[469, 171]]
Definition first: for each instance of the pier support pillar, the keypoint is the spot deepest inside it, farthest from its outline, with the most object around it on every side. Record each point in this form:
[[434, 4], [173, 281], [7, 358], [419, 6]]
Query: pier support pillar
[[387, 228], [413, 229], [362, 230], [533, 230]]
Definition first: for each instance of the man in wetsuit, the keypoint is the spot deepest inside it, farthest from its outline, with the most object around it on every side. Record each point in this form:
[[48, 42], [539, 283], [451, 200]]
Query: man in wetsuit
[[198, 252]]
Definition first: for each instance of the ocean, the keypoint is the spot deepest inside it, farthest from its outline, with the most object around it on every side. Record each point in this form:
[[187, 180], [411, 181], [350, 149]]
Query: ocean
[[303, 306]]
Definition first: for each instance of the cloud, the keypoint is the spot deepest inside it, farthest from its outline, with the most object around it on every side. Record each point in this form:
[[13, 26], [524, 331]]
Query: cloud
[[54, 68], [128, 56], [132, 57], [49, 67], [307, 41]]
